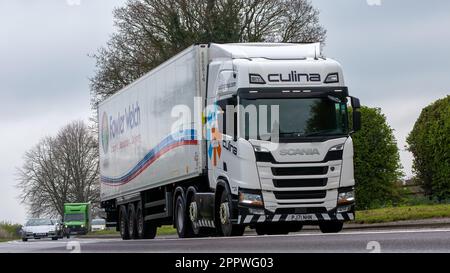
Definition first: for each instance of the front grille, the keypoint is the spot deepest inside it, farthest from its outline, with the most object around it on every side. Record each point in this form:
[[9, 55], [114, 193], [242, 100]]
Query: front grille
[[300, 210], [268, 157], [300, 183], [288, 195], [300, 171]]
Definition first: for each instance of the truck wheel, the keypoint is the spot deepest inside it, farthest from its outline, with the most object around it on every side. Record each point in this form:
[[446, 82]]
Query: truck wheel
[[184, 228], [140, 222], [144, 230], [193, 215], [123, 223], [150, 231], [227, 228], [331, 227], [132, 234]]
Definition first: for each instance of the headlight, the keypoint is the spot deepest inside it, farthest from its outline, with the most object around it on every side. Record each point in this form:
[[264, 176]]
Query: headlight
[[339, 147], [82, 226], [253, 199], [346, 198], [260, 149]]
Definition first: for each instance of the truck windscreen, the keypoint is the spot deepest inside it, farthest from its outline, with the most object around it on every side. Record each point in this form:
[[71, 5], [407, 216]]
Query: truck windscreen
[[298, 118], [79, 217]]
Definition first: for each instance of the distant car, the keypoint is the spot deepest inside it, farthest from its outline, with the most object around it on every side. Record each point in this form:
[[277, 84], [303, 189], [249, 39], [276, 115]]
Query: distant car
[[41, 228], [98, 225]]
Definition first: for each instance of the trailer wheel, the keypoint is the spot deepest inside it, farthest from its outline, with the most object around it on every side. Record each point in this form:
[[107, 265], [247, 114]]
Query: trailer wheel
[[140, 222], [227, 228], [331, 227], [144, 230], [132, 234], [123, 223], [184, 228]]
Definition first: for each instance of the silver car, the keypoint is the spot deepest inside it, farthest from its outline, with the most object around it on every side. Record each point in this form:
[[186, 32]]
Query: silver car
[[40, 228]]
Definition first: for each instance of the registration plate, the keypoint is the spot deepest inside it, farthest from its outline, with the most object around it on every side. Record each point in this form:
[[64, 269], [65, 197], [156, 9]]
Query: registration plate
[[301, 217], [41, 234]]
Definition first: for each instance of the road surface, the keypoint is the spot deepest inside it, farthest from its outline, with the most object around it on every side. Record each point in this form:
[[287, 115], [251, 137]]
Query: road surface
[[355, 241]]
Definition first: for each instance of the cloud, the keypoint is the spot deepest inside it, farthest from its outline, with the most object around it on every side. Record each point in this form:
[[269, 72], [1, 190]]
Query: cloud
[[44, 76]]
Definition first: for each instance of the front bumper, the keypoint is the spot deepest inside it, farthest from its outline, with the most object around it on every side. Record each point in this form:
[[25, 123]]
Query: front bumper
[[40, 235], [302, 218], [76, 230]]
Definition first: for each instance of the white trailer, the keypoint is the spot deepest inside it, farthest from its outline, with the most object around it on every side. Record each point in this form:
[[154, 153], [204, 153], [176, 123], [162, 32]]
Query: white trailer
[[173, 152]]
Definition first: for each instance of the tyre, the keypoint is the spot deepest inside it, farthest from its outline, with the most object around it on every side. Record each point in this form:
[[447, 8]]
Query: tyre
[[123, 223], [182, 222], [144, 230], [193, 209], [54, 239], [24, 240], [226, 227], [132, 233], [331, 227]]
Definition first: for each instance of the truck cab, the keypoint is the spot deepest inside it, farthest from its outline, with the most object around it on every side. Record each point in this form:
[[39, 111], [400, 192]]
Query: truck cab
[[222, 137], [284, 148]]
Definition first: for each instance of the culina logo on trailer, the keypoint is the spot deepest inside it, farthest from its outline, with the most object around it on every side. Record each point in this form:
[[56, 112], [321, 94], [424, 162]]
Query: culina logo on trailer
[[113, 127]]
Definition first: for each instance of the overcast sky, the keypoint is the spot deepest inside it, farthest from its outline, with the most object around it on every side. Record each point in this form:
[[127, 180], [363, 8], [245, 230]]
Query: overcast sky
[[396, 56]]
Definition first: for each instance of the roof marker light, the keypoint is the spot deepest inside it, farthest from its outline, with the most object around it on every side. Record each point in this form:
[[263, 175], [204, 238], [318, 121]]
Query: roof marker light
[[332, 78], [256, 79]]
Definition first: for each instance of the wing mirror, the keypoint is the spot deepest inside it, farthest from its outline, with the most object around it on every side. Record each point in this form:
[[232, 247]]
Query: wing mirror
[[356, 105]]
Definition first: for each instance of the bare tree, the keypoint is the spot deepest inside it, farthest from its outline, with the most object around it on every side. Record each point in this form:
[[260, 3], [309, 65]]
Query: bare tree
[[60, 170], [151, 31]]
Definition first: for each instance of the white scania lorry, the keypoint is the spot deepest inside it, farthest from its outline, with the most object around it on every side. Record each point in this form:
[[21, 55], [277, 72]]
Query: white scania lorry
[[224, 137]]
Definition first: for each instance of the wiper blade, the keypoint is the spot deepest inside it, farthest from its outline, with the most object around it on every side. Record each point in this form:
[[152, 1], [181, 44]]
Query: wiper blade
[[291, 134], [318, 133]]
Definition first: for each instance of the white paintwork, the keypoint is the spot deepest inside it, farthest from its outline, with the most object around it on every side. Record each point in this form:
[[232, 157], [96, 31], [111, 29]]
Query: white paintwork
[[175, 82], [181, 79]]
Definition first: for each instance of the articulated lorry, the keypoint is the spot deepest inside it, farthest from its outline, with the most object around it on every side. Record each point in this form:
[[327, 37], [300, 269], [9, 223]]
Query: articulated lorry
[[227, 136]]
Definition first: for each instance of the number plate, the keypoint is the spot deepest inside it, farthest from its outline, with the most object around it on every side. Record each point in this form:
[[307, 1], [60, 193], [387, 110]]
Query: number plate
[[301, 217]]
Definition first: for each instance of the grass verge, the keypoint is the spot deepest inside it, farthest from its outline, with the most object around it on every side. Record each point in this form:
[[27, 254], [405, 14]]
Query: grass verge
[[394, 214], [166, 230]]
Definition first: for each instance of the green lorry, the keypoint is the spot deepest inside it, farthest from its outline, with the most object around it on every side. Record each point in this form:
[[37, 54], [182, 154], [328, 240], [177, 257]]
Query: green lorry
[[77, 218]]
